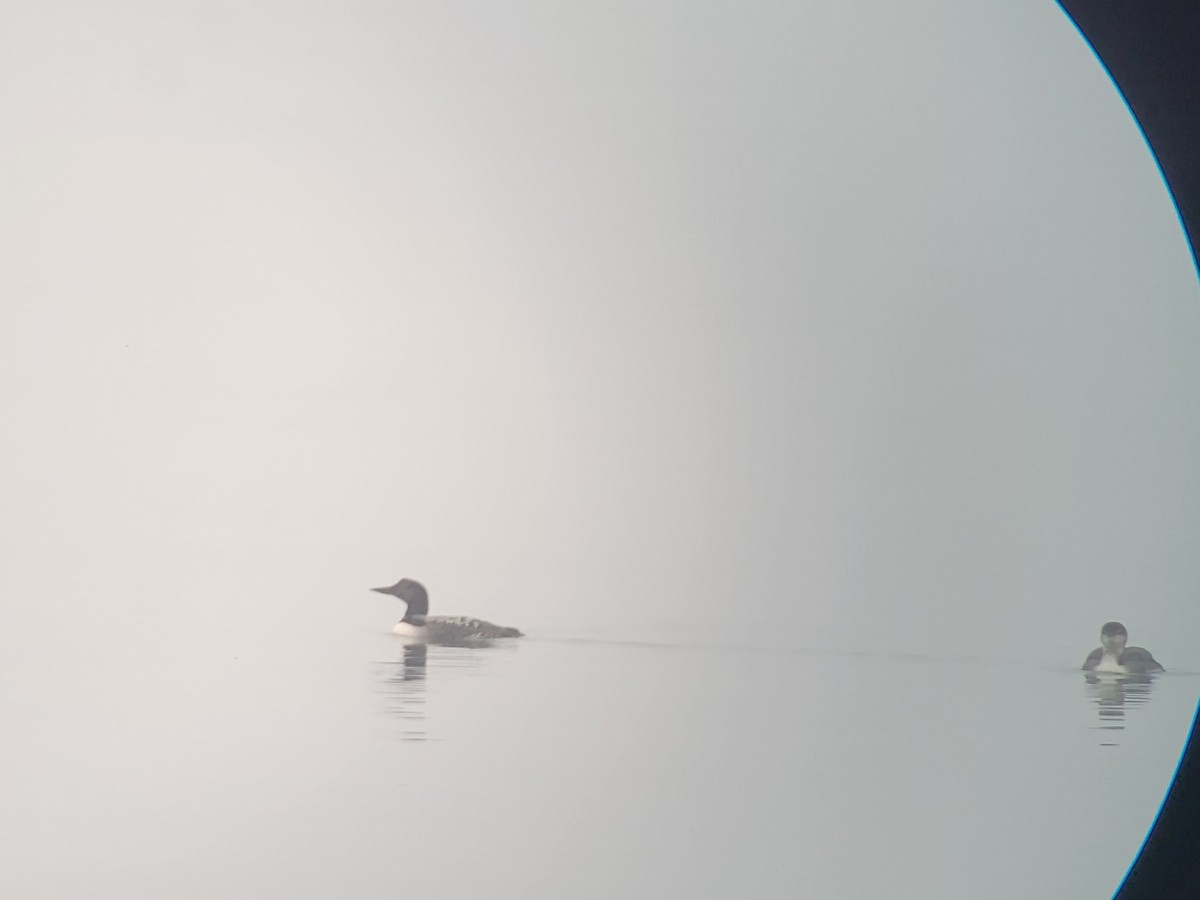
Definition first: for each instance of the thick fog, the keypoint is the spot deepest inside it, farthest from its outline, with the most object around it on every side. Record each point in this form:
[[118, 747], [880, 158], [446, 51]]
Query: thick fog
[[872, 324]]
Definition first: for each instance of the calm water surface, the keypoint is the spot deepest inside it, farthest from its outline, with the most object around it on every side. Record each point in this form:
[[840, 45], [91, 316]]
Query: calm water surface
[[568, 765]]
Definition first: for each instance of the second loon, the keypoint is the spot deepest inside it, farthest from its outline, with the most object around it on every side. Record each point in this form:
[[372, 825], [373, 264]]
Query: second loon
[[1114, 656], [418, 624]]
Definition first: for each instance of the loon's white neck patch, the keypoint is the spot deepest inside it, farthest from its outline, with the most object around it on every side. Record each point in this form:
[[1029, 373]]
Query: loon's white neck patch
[[408, 630], [1108, 663]]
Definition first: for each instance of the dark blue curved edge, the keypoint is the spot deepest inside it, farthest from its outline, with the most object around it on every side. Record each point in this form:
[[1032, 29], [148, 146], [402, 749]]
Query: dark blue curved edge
[[1151, 49]]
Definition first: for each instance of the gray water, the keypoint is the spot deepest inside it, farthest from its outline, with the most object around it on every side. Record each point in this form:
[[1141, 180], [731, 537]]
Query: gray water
[[586, 764], [762, 361]]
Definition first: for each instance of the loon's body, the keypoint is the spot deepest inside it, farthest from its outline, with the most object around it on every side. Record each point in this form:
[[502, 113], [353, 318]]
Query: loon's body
[[1114, 656], [1133, 661], [418, 625]]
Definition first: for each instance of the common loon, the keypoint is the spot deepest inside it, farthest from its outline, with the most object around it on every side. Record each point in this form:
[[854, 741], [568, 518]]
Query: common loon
[[1114, 656], [417, 623]]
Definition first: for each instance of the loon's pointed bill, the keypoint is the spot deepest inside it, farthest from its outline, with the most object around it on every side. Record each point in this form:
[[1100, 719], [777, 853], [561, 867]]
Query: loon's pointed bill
[[419, 625]]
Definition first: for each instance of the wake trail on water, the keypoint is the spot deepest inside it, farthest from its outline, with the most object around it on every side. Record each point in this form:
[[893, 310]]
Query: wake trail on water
[[792, 650]]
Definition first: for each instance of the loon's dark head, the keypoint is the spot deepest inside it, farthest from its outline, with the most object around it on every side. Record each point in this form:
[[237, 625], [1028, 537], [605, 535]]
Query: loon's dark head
[[413, 593], [1114, 637]]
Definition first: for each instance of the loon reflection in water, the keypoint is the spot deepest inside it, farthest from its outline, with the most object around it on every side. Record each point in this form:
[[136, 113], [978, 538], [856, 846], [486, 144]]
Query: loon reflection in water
[[405, 684], [1115, 694], [418, 625]]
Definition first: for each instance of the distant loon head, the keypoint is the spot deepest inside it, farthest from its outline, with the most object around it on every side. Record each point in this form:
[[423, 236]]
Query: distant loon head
[[413, 593]]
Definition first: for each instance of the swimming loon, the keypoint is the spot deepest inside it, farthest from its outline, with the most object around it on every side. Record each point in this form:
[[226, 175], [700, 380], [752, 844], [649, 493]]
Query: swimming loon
[[438, 629], [1114, 656]]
